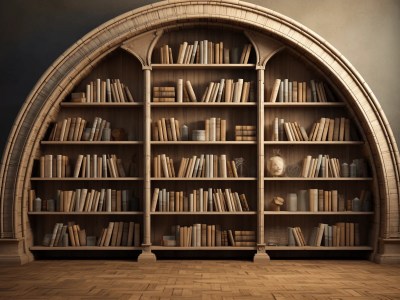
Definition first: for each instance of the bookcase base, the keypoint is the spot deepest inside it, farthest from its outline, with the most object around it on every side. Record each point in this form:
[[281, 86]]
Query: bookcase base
[[11, 252], [147, 257], [390, 251], [261, 258]]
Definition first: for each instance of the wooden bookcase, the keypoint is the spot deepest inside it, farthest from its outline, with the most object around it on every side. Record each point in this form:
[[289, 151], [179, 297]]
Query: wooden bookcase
[[269, 60]]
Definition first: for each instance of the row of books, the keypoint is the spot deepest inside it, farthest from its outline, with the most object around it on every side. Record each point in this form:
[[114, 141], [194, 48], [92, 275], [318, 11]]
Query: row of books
[[341, 234], [321, 166], [74, 129], [337, 129], [205, 166], [54, 166], [245, 133], [166, 129], [284, 90], [324, 166], [86, 166], [84, 200], [109, 90], [202, 52], [227, 90], [98, 166], [314, 200], [166, 93], [208, 235], [215, 129], [200, 200], [118, 234], [65, 235]]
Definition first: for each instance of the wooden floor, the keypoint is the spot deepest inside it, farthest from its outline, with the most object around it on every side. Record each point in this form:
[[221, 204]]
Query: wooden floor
[[89, 279]]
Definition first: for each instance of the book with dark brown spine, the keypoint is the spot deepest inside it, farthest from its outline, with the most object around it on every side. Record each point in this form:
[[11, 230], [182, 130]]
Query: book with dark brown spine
[[342, 129], [136, 240], [131, 233]]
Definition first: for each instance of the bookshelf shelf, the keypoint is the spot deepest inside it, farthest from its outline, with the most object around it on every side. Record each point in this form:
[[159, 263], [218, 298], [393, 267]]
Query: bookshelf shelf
[[102, 104], [204, 179], [99, 143], [322, 248], [350, 143], [76, 213], [206, 213], [304, 104], [201, 66], [87, 179], [319, 213], [84, 248], [208, 143], [204, 104], [318, 179], [227, 248]]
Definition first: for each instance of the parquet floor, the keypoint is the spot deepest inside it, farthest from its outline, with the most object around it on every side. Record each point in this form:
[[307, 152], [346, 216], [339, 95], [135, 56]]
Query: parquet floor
[[194, 279]]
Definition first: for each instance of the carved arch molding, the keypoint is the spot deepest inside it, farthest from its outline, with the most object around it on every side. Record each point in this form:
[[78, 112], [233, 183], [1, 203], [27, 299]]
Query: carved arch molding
[[78, 60]]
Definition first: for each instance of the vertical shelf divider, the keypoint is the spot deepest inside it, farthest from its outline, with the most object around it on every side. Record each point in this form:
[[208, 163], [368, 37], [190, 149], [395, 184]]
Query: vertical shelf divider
[[261, 256], [147, 255]]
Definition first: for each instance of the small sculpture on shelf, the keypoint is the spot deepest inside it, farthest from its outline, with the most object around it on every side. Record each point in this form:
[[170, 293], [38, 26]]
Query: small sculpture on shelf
[[276, 165], [277, 202], [241, 166]]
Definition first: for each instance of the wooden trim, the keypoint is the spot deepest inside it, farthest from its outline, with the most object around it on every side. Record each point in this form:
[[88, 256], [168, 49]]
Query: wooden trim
[[100, 143], [226, 248], [211, 213], [322, 248], [204, 104], [319, 213], [350, 143], [304, 104], [318, 179], [102, 105], [85, 213], [201, 66], [84, 248]]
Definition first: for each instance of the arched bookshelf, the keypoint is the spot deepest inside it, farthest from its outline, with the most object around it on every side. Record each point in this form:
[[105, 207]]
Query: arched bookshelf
[[280, 49]]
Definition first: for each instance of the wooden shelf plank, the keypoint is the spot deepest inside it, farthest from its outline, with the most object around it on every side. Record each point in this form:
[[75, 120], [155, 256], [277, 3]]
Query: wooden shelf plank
[[318, 179], [203, 179], [97, 143], [201, 66], [206, 143], [87, 179], [225, 248], [85, 213], [313, 143], [83, 248], [322, 248], [204, 213], [102, 104], [339, 213], [304, 104], [203, 104]]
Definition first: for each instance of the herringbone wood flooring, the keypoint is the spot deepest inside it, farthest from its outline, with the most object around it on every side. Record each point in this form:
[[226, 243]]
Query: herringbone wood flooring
[[197, 279]]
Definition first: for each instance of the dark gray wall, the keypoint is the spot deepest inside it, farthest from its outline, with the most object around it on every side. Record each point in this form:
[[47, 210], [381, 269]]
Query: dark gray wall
[[34, 33]]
